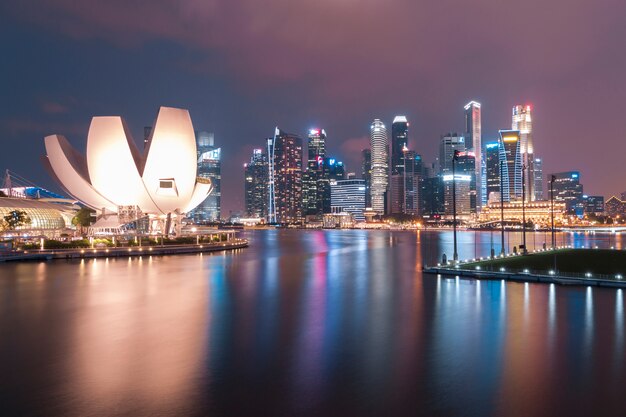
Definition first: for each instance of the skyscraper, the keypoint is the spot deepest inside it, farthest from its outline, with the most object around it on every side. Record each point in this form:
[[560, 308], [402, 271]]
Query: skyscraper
[[432, 196], [466, 165], [473, 143], [366, 174], [511, 161], [568, 189], [522, 122], [380, 165], [492, 169], [462, 188], [349, 196], [450, 143], [256, 186], [399, 142], [315, 186], [412, 175], [285, 178], [538, 178], [209, 166]]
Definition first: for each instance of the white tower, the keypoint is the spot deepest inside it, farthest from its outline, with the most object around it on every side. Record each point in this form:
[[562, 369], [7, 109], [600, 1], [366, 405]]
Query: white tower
[[380, 165]]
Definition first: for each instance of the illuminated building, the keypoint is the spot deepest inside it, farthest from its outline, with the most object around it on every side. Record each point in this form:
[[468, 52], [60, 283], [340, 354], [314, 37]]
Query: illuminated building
[[209, 166], [431, 196], [615, 207], [338, 220], [492, 168], [473, 142], [537, 212], [449, 143], [522, 122], [463, 202], [466, 165], [348, 196], [160, 185], [538, 178], [285, 178], [568, 189], [593, 204], [396, 193], [255, 185], [511, 164], [315, 188], [412, 175], [366, 174], [399, 141], [48, 217], [380, 165]]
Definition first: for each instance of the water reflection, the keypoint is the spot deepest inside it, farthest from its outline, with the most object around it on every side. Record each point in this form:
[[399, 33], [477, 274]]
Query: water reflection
[[307, 323]]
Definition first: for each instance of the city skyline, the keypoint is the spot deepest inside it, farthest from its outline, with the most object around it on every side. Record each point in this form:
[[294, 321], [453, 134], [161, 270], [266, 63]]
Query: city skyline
[[236, 84]]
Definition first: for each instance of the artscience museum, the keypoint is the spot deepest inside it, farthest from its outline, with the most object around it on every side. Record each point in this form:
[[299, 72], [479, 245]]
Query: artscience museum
[[150, 190]]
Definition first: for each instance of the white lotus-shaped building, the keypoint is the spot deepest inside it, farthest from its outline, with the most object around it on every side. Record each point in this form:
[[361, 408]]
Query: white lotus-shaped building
[[114, 174]]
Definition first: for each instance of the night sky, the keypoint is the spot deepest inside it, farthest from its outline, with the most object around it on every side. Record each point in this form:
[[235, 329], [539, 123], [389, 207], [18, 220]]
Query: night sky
[[244, 66]]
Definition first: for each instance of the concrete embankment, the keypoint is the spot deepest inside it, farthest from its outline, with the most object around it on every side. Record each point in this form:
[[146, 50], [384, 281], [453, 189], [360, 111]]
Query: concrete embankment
[[526, 277], [46, 255]]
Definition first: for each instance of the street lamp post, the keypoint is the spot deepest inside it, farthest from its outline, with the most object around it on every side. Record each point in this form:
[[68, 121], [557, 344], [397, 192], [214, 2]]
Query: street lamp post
[[455, 256], [524, 208], [552, 179], [502, 207]]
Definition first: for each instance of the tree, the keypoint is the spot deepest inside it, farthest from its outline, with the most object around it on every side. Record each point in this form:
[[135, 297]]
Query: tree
[[15, 219], [83, 218]]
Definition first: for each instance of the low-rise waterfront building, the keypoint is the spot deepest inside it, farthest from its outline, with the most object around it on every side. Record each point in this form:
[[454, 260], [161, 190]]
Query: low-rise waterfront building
[[536, 212]]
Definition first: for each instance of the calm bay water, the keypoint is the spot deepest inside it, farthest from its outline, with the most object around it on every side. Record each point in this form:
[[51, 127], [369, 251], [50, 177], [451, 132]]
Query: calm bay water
[[308, 323]]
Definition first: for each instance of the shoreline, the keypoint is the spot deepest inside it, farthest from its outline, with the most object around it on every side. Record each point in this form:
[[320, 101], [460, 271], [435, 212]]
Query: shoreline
[[90, 253]]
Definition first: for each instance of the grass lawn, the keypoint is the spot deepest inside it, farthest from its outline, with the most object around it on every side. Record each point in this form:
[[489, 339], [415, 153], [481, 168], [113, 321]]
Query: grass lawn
[[595, 261]]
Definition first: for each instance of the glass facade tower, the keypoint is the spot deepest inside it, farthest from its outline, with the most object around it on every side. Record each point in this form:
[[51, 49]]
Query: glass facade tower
[[209, 166], [380, 165], [473, 143]]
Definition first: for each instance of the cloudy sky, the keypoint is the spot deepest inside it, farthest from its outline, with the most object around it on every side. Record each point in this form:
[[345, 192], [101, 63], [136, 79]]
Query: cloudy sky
[[244, 66]]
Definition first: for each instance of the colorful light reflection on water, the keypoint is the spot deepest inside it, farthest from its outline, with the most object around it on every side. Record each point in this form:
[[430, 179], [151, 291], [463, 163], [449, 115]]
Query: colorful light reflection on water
[[307, 323]]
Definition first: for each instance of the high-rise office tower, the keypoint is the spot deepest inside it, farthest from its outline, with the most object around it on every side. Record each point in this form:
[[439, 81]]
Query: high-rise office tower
[[538, 178], [314, 185], [511, 161], [473, 143], [396, 193], [399, 141], [411, 178], [349, 196], [285, 178], [450, 143], [432, 196], [594, 205], [209, 166], [255, 185], [522, 122], [492, 170], [366, 174], [466, 165], [461, 192], [380, 165], [568, 189]]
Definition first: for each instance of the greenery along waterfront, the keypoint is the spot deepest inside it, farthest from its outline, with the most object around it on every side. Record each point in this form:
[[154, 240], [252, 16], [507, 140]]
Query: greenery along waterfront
[[573, 261]]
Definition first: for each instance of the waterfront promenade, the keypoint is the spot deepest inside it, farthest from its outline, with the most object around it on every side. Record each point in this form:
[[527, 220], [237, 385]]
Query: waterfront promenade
[[115, 252], [567, 266]]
